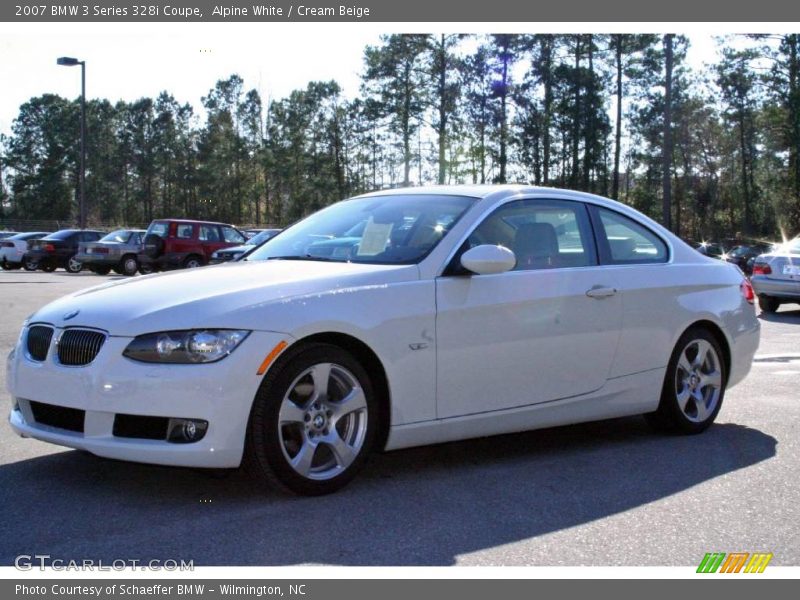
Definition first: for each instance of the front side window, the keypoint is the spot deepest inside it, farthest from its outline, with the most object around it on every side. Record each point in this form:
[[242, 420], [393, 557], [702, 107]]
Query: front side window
[[391, 229], [624, 241], [543, 234], [158, 228]]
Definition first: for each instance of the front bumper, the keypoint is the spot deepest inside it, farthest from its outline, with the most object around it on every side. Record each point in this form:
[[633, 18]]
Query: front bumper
[[220, 393]]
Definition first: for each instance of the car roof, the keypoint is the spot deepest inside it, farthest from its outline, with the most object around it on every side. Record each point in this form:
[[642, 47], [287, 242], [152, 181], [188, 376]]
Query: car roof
[[194, 221], [481, 191]]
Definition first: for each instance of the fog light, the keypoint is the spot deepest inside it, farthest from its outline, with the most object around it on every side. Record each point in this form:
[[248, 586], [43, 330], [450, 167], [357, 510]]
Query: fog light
[[186, 431]]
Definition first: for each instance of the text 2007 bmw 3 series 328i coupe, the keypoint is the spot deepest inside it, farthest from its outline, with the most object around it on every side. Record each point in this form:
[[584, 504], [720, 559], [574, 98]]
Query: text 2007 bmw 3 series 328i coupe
[[394, 319]]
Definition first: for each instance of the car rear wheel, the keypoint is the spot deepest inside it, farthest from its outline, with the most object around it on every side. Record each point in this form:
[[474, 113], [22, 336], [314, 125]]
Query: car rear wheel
[[30, 265], [192, 262], [768, 304], [694, 385], [73, 265], [129, 265], [313, 421], [48, 267], [101, 270], [146, 269]]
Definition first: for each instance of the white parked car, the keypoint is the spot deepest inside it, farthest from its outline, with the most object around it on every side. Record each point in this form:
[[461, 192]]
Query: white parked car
[[395, 319], [14, 247]]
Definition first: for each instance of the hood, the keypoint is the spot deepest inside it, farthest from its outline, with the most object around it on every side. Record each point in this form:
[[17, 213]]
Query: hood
[[242, 248], [224, 296]]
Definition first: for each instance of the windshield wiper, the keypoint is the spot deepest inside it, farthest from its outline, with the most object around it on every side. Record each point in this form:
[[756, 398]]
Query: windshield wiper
[[304, 257]]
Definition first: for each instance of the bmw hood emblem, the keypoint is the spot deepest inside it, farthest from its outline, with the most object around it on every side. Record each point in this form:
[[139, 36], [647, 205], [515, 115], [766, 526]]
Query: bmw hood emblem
[[71, 315]]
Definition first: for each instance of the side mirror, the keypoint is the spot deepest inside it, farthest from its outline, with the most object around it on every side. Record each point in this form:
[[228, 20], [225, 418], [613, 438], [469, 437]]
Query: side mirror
[[488, 260]]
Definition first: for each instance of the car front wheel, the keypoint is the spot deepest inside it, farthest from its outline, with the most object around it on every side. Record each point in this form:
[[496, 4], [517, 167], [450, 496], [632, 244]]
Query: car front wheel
[[313, 421], [694, 385], [74, 265]]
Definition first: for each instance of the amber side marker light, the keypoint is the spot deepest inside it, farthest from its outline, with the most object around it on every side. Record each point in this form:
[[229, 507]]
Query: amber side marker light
[[271, 357]]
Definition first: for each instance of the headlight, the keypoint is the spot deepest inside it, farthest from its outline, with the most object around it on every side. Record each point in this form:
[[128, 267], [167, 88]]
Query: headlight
[[185, 347]]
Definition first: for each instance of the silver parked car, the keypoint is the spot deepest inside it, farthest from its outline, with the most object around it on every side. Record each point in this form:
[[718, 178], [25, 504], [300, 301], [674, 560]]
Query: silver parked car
[[117, 251], [776, 276]]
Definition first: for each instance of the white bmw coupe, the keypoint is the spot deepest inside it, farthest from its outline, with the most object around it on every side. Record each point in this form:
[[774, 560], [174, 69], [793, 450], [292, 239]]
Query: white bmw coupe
[[394, 319]]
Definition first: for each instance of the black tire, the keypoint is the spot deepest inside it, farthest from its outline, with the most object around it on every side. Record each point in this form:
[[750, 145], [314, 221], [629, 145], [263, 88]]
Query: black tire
[[101, 270], [267, 447], [6, 266], [146, 269], [768, 304], [30, 265], [153, 245], [48, 267], [192, 262], [128, 265], [670, 417], [72, 265]]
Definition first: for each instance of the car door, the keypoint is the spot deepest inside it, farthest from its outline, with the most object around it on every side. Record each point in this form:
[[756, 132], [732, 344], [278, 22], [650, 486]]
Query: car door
[[211, 239], [635, 260], [547, 329]]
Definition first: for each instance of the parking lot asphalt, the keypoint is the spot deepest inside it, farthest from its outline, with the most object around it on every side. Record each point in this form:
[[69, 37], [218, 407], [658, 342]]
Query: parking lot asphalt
[[607, 493]]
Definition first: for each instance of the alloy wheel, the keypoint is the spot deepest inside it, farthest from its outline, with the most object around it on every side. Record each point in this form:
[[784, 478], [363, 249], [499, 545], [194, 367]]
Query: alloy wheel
[[322, 422], [698, 380]]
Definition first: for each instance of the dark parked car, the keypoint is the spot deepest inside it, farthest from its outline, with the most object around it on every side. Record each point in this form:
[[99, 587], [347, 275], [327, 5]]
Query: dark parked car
[[236, 252], [59, 249], [712, 249], [118, 251], [744, 254], [180, 243]]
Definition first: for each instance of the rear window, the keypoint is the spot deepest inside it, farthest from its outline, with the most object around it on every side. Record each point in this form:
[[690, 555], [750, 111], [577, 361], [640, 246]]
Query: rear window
[[158, 228], [121, 236], [61, 235]]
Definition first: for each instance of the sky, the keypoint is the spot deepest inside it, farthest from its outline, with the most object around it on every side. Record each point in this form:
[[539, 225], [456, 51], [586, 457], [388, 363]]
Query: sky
[[130, 61]]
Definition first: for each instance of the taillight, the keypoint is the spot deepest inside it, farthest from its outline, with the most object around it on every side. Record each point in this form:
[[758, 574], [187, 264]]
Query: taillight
[[49, 248], [747, 291], [762, 269]]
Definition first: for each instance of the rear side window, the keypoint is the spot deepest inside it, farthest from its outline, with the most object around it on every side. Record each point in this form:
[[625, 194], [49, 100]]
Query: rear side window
[[623, 241]]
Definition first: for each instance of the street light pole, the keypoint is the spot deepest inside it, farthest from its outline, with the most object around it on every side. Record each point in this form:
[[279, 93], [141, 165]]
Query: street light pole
[[66, 61], [82, 208]]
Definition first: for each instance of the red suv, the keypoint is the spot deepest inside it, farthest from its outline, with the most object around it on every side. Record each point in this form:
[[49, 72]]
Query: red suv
[[181, 243]]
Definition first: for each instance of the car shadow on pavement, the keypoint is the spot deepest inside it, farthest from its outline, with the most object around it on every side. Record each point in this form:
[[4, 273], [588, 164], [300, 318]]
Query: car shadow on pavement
[[783, 316], [424, 506]]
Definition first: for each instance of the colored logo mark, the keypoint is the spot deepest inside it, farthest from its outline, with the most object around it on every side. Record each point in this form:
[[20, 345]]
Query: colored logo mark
[[734, 562]]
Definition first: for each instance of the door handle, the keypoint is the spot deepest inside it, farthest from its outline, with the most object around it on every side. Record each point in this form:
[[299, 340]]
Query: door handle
[[600, 292]]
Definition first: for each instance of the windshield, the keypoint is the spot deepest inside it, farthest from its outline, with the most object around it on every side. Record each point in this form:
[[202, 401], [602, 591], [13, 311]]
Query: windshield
[[120, 235], [61, 235], [399, 229]]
